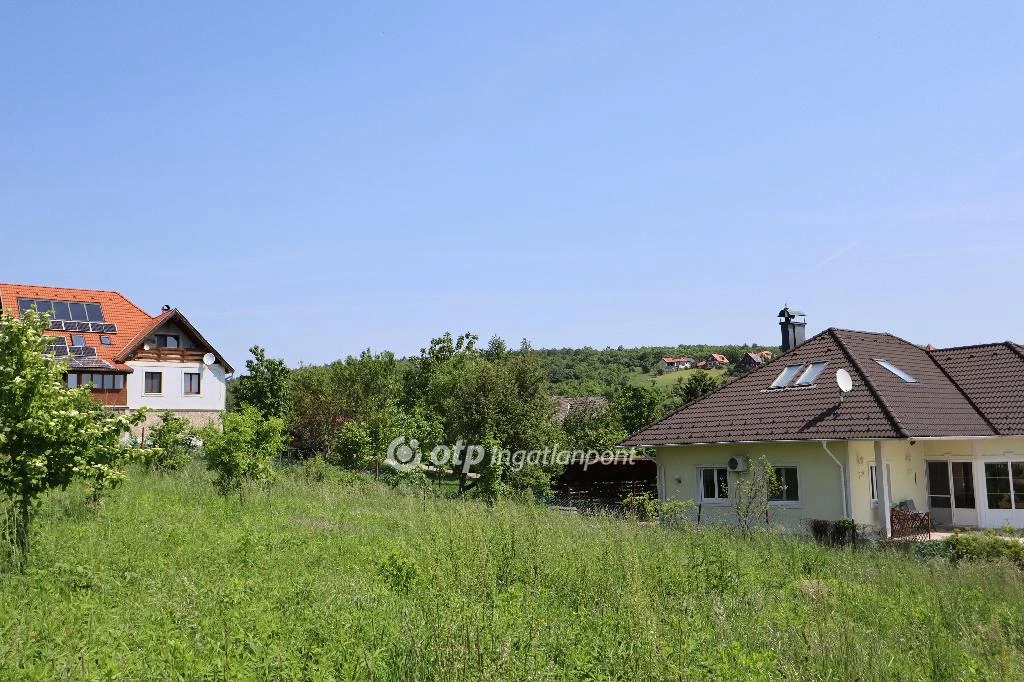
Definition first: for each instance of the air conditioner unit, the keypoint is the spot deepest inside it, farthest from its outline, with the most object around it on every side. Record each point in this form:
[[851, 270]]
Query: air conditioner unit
[[739, 463]]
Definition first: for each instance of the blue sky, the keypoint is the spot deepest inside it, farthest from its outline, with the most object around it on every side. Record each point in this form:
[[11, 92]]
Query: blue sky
[[320, 178]]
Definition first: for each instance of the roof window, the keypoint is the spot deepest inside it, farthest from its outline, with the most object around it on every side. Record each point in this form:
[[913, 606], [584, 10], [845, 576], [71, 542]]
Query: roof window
[[811, 374], [896, 370], [786, 376]]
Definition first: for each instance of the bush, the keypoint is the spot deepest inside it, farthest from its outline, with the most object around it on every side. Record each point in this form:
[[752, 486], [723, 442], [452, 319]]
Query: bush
[[837, 533], [987, 546], [243, 450], [169, 447]]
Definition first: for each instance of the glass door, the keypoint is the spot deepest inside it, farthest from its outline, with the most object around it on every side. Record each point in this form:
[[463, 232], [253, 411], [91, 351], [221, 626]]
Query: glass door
[[965, 512], [940, 498]]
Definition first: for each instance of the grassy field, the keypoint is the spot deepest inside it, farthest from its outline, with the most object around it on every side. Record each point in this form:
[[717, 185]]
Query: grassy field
[[328, 580], [668, 378]]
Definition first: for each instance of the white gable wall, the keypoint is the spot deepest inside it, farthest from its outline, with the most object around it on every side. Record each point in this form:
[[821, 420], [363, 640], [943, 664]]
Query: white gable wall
[[213, 386]]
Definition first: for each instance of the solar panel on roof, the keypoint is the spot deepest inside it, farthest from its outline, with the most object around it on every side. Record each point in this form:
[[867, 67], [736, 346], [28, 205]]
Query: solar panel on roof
[[83, 351], [56, 324], [94, 312], [25, 304], [61, 310], [78, 312], [109, 328]]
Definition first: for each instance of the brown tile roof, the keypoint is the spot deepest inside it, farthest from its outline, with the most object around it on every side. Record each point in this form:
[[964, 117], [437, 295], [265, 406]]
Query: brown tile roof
[[992, 377], [881, 405], [133, 323]]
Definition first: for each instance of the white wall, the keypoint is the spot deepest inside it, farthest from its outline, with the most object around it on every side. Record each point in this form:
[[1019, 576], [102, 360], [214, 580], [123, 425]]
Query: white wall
[[212, 395]]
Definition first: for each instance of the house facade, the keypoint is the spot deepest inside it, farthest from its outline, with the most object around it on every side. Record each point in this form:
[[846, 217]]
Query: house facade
[[715, 361], [938, 430], [128, 358], [672, 364]]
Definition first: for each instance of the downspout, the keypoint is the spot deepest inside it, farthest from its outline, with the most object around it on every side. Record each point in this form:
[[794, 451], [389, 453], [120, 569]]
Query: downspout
[[842, 477]]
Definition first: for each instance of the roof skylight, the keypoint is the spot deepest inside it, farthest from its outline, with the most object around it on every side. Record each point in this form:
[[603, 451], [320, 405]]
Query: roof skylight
[[786, 376], [810, 374], [896, 370]]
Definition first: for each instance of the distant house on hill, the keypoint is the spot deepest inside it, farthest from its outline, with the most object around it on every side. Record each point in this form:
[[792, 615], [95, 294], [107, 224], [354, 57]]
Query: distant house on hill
[[672, 364], [752, 361], [715, 361]]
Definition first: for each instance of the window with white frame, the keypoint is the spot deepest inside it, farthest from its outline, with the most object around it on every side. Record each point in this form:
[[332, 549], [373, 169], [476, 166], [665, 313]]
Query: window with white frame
[[1004, 485], [788, 488], [873, 483], [714, 484]]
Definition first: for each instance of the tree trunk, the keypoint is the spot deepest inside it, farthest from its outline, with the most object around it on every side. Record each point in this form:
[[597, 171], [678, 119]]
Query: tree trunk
[[21, 540]]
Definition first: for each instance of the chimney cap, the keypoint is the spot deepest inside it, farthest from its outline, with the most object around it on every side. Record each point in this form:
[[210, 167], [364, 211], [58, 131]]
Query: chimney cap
[[790, 314]]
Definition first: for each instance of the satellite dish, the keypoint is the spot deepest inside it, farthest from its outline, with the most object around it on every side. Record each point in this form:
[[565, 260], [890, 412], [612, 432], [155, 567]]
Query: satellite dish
[[145, 346], [209, 359], [844, 380]]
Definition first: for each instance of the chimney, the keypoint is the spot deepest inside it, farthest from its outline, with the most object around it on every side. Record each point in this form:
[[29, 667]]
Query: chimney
[[792, 329]]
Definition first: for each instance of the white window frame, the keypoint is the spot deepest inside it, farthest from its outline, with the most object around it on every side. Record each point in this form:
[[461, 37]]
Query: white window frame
[[790, 504], [723, 501], [873, 482]]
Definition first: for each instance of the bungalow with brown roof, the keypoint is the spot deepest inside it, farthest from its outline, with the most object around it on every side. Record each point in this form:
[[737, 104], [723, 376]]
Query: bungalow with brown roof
[[938, 430]]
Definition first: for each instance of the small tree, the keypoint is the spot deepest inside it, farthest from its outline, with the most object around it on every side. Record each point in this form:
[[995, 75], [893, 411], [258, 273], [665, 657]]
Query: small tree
[[242, 452], [49, 434], [751, 494], [264, 386], [696, 386], [169, 444]]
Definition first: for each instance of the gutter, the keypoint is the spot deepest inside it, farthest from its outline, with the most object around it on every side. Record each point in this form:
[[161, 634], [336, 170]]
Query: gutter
[[842, 478]]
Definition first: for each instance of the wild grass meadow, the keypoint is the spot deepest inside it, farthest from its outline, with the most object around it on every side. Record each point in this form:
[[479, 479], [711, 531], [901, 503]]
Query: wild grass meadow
[[340, 579]]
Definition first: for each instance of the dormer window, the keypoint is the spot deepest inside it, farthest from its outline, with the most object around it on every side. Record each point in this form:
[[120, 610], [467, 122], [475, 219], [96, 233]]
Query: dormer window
[[896, 370]]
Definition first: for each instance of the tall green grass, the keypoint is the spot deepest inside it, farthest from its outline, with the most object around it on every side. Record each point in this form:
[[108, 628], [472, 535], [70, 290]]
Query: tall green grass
[[327, 580]]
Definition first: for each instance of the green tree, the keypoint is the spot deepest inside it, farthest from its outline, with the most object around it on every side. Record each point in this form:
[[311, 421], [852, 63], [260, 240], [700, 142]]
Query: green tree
[[636, 407], [496, 399], [593, 427], [696, 386], [49, 434], [264, 385], [243, 450], [324, 398], [170, 442]]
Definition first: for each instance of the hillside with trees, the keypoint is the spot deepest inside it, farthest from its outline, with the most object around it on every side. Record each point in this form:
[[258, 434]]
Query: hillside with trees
[[589, 371]]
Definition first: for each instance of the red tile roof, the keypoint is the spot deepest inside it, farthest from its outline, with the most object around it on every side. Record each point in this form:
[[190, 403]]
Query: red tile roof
[[881, 405], [133, 323]]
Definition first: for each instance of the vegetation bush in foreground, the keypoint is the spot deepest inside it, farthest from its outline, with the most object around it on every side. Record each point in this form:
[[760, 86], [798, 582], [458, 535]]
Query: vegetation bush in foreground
[[242, 451], [348, 580]]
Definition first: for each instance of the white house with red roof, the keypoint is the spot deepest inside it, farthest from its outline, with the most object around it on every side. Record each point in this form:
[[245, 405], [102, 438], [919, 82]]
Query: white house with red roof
[[128, 358]]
